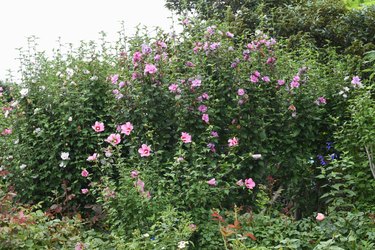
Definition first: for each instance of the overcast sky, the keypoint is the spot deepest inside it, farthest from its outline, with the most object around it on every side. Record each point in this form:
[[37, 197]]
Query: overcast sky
[[72, 20]]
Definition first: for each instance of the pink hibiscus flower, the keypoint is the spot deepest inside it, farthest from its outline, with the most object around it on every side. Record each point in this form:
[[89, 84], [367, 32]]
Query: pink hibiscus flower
[[249, 183], [233, 142], [114, 139], [98, 127], [144, 150], [93, 157], [125, 128], [212, 182], [185, 137]]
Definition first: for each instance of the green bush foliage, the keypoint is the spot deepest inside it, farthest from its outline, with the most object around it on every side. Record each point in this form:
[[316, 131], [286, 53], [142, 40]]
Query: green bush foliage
[[148, 137]]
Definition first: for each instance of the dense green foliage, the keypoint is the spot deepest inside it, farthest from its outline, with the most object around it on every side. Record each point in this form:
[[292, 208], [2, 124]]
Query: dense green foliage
[[215, 138], [326, 22]]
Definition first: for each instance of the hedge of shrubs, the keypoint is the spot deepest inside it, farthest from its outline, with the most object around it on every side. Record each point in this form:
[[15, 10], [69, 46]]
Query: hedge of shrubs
[[206, 139]]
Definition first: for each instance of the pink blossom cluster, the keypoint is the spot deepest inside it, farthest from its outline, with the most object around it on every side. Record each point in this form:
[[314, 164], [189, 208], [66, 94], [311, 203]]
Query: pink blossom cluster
[[6, 131], [248, 183], [139, 184], [295, 83]]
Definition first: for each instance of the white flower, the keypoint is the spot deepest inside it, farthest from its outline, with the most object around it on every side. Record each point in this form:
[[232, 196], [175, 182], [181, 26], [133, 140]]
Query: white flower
[[93, 78], [182, 244], [86, 72], [65, 156], [23, 166], [341, 92], [70, 119], [16, 141], [256, 156], [346, 89], [346, 78], [62, 165], [345, 95], [6, 114], [37, 130], [36, 111], [69, 72], [14, 104], [41, 88], [24, 92], [146, 235]]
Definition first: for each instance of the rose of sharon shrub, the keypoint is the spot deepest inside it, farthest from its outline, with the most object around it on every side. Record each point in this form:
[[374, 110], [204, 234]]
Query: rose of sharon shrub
[[190, 115]]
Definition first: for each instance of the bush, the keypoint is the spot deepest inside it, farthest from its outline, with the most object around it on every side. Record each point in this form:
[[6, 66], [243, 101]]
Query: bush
[[173, 126]]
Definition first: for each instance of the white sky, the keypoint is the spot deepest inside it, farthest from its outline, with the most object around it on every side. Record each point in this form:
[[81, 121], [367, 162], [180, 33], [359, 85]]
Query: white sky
[[72, 20]]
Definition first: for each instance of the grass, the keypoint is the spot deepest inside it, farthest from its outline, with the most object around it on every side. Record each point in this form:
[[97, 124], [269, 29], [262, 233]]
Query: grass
[[358, 3]]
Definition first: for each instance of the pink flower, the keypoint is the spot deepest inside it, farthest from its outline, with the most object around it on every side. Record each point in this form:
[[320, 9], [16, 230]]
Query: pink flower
[[241, 92], [137, 56], [211, 146], [356, 81], [6, 131], [180, 159], [214, 134], [114, 139], [173, 88], [211, 30], [189, 64], [320, 217], [212, 182], [145, 150], [114, 78], [185, 137], [280, 82], [233, 142], [321, 100], [230, 35], [202, 108], [294, 84], [121, 84], [296, 78], [84, 173], [84, 190], [150, 69], [249, 183], [125, 128], [93, 157], [292, 107], [134, 174], [254, 79], [240, 183], [196, 83], [79, 246], [161, 44], [157, 57], [205, 96], [256, 73], [205, 118], [265, 78], [185, 22], [214, 46], [98, 127], [135, 75], [146, 49], [140, 185], [271, 60]]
